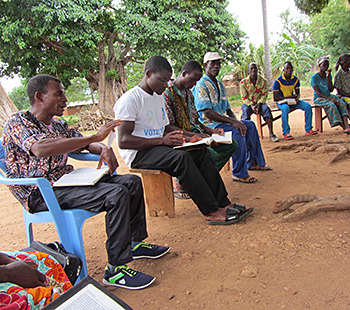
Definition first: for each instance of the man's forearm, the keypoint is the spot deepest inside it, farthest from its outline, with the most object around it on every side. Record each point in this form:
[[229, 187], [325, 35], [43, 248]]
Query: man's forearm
[[138, 143], [96, 147], [215, 116], [51, 147]]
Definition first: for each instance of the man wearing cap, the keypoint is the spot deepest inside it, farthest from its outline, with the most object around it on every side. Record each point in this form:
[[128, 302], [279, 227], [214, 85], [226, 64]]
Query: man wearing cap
[[254, 93], [215, 112]]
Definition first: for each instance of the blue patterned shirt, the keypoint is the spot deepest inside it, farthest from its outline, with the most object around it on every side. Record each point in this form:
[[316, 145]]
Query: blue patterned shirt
[[208, 96]]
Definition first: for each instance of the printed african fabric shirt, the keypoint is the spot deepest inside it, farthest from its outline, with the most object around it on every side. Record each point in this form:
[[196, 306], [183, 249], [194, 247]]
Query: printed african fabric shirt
[[23, 130], [208, 96], [180, 108], [342, 80], [251, 93], [286, 88]]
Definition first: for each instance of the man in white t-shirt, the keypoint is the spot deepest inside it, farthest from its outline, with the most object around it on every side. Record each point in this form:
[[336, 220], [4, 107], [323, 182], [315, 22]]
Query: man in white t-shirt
[[146, 141]]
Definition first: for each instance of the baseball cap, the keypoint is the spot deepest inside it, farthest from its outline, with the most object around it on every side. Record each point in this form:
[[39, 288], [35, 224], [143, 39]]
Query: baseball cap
[[211, 56]]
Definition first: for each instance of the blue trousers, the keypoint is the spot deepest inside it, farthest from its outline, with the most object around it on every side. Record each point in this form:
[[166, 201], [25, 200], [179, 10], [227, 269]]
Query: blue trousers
[[248, 149], [247, 111], [302, 105]]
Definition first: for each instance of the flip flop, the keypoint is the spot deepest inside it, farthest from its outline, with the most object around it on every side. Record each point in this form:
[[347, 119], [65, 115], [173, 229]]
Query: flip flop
[[243, 212], [288, 136], [249, 179], [265, 168], [232, 217], [347, 131], [176, 194]]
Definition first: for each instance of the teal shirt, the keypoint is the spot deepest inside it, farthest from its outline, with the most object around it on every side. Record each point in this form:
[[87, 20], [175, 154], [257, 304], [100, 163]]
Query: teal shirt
[[208, 96], [322, 84]]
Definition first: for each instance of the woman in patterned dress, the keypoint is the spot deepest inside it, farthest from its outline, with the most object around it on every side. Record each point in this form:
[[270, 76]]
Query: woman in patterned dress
[[334, 107], [342, 77]]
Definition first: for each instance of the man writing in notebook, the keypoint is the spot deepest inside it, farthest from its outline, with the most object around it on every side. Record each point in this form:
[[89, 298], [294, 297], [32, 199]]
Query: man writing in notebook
[[36, 144], [146, 141], [183, 116]]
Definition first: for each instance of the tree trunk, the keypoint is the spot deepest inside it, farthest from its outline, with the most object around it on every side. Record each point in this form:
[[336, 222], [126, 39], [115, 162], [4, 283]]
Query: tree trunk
[[6, 107], [268, 67], [112, 76]]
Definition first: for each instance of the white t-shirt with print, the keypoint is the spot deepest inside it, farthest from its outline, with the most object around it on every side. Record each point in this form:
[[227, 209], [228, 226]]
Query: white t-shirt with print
[[148, 113]]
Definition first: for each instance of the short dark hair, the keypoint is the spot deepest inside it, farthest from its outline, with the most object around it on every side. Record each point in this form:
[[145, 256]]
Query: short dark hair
[[157, 63], [38, 83], [191, 66], [286, 63]]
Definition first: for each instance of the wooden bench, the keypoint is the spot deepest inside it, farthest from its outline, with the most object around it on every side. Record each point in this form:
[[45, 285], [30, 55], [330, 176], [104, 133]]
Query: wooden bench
[[318, 119], [158, 189]]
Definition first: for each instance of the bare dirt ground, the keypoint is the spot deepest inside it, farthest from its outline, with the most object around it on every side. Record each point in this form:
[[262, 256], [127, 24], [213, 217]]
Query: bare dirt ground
[[259, 263]]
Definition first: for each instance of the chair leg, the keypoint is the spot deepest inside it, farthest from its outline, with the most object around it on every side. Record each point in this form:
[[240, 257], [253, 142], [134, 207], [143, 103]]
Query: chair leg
[[29, 233], [28, 227], [76, 243], [259, 126], [318, 119]]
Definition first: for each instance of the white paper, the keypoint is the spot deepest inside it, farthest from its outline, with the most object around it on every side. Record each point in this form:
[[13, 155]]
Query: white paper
[[226, 138], [90, 298]]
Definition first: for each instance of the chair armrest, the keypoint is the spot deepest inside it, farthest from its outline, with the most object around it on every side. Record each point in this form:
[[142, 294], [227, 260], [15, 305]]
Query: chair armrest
[[47, 193], [85, 156]]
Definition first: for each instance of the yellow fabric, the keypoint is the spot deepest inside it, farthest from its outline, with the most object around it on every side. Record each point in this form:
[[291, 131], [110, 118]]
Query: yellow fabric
[[287, 90]]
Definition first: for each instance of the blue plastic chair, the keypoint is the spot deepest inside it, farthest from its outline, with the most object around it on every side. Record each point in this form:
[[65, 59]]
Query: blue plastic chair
[[69, 223]]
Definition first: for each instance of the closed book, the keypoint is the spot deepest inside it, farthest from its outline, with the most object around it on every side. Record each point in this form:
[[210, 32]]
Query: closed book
[[86, 176]]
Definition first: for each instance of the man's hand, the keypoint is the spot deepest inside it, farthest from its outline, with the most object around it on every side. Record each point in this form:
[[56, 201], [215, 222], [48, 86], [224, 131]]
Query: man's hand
[[24, 275], [239, 125], [218, 131], [174, 138], [196, 138], [107, 155], [256, 107], [104, 130]]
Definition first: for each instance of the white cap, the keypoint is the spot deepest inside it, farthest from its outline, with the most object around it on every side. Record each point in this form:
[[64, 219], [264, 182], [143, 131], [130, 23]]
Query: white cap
[[210, 56]]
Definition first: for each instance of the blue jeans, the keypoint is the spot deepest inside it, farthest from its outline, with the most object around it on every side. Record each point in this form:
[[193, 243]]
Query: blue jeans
[[302, 105], [248, 149], [247, 111]]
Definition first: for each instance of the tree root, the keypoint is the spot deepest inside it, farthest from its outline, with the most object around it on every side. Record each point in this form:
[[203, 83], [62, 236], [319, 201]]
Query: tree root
[[286, 204], [329, 145], [313, 205]]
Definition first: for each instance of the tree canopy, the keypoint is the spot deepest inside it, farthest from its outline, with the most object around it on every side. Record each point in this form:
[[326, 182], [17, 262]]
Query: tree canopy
[[311, 7], [96, 39], [330, 29]]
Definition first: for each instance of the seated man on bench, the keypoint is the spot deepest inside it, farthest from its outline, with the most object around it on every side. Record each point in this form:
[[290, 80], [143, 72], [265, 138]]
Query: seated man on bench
[[146, 141], [215, 112], [286, 93], [183, 115], [254, 93]]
